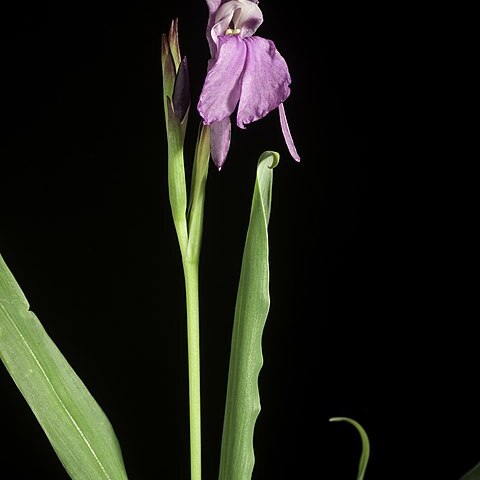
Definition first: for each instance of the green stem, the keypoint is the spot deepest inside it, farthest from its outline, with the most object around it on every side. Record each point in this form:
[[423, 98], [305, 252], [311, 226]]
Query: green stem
[[190, 260], [193, 337], [189, 232]]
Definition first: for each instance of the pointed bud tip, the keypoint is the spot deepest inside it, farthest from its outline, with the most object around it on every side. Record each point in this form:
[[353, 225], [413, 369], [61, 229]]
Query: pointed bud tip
[[173, 43], [181, 91], [218, 164]]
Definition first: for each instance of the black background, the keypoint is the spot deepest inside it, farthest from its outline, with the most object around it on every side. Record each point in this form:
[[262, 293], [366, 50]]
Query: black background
[[370, 243]]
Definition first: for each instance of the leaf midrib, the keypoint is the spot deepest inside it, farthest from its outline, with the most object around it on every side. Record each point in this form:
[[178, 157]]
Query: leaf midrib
[[44, 373]]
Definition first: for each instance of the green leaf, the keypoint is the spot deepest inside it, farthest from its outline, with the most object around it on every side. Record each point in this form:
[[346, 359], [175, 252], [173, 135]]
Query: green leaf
[[253, 303], [197, 193], [168, 69], [171, 58], [174, 44], [365, 444], [177, 187], [473, 474], [76, 426]]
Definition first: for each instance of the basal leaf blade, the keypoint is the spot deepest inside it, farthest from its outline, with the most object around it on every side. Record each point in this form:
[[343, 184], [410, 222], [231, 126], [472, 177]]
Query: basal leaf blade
[[473, 474], [252, 306], [75, 425]]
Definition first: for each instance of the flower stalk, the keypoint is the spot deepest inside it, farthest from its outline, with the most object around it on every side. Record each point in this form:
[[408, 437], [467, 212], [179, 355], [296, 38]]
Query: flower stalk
[[188, 224]]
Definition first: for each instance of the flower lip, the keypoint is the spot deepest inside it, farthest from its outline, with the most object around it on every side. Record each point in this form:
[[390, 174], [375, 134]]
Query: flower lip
[[242, 15]]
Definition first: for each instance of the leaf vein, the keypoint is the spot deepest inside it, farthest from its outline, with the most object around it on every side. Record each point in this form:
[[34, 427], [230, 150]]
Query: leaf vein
[[50, 384]]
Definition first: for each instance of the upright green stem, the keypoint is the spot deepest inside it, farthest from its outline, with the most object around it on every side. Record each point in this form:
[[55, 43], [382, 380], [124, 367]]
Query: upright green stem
[[190, 260], [193, 337], [188, 219], [188, 226]]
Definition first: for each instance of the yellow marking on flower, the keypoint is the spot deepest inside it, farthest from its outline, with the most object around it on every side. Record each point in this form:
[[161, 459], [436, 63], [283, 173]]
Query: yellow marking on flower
[[232, 31]]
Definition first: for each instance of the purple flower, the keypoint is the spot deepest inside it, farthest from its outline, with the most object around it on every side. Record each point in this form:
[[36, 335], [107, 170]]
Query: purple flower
[[246, 72]]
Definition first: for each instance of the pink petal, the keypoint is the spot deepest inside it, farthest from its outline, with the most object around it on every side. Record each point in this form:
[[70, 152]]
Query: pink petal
[[265, 82], [220, 141], [221, 90], [213, 5]]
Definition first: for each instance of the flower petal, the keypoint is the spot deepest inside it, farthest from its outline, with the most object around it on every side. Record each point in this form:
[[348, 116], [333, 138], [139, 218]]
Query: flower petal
[[220, 133], [213, 5], [286, 133], [265, 82], [221, 90]]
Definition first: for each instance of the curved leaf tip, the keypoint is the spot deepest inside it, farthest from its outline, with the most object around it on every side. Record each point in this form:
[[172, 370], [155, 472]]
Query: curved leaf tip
[[365, 444], [267, 155]]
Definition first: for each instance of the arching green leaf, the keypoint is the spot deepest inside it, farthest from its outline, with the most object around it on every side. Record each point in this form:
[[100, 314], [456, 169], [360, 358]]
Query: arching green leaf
[[76, 426], [473, 474]]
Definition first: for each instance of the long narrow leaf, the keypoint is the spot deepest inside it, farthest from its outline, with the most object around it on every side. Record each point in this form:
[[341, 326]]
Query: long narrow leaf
[[76, 426], [473, 474], [253, 303]]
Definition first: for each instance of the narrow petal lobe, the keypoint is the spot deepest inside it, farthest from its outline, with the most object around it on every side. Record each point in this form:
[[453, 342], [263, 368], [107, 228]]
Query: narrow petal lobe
[[286, 133]]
